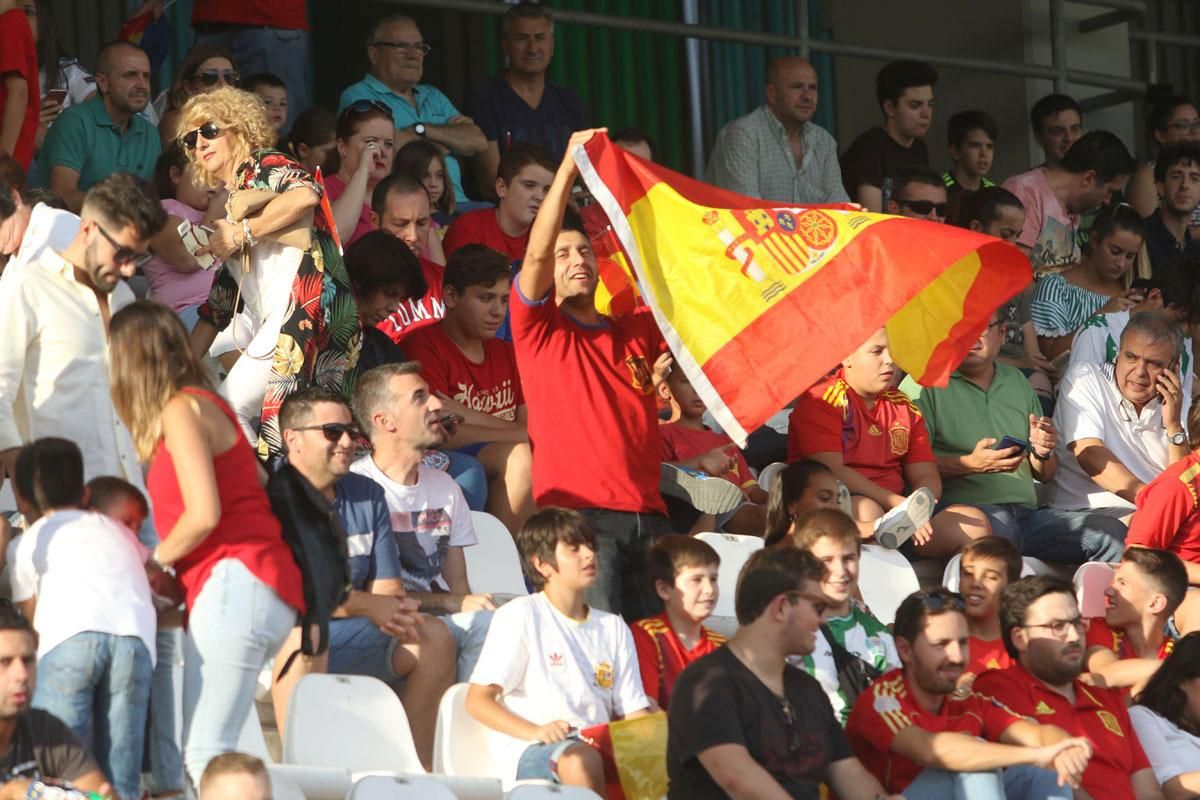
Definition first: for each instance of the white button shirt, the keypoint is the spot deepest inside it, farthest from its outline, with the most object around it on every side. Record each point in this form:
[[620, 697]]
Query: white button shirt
[[1091, 407], [54, 361]]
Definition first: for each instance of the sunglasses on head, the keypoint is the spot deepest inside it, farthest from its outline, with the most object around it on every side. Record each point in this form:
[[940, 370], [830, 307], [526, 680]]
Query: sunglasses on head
[[211, 77], [123, 254], [942, 601], [363, 106], [923, 207], [334, 431], [208, 130]]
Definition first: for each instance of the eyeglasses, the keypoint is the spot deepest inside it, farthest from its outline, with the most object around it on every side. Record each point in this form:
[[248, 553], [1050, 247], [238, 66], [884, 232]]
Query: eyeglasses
[[923, 207], [406, 47], [363, 106], [123, 254], [791, 724], [820, 605], [1058, 628], [211, 77], [334, 431], [1186, 126], [208, 130], [941, 601]]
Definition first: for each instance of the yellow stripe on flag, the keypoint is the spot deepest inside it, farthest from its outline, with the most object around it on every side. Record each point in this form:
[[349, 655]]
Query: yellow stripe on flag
[[924, 322]]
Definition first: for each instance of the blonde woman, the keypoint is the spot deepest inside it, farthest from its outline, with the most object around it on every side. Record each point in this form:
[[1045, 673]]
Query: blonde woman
[[299, 325], [240, 582]]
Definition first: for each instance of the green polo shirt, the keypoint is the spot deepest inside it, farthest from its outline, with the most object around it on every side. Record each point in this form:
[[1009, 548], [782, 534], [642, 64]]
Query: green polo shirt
[[85, 139], [961, 414]]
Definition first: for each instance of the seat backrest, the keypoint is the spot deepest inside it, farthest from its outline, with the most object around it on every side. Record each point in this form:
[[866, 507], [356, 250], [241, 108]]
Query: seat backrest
[[734, 551], [769, 474], [885, 578], [349, 721], [548, 791], [283, 789], [493, 565], [1091, 579], [396, 787], [460, 743], [1029, 566]]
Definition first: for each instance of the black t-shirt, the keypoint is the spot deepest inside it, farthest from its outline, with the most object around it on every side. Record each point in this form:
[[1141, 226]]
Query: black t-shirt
[[505, 118], [1169, 258], [874, 156], [717, 701], [44, 747]]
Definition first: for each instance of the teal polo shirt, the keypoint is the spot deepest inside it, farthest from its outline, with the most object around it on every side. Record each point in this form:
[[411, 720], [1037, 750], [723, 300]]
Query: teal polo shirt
[[432, 107], [84, 138], [961, 414]]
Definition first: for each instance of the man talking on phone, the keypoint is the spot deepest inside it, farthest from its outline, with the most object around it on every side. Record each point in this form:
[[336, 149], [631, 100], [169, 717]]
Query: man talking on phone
[[991, 441]]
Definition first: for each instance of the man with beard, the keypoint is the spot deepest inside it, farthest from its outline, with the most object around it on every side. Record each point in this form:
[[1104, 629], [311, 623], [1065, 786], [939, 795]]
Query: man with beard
[[1042, 630], [1169, 241], [917, 735], [377, 631], [104, 135]]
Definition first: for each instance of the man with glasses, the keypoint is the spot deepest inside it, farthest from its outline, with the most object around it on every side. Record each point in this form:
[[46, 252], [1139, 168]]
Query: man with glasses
[[54, 335], [922, 736], [396, 52], [377, 631], [918, 192], [991, 443], [106, 134], [1042, 630], [745, 723]]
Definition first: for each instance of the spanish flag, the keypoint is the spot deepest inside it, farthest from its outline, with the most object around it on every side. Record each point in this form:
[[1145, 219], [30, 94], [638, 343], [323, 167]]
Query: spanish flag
[[759, 303]]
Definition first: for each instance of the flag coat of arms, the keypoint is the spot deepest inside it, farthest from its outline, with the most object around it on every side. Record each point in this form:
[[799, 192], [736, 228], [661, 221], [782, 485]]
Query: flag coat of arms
[[758, 302]]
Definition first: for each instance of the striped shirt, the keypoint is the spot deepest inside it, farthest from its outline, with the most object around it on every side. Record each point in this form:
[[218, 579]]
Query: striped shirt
[[1060, 307]]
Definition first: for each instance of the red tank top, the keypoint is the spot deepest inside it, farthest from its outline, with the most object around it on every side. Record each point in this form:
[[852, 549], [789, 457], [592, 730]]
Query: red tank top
[[247, 530]]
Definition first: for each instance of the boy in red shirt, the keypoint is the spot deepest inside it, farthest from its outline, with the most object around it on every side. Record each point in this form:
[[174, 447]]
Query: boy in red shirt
[[916, 732], [686, 437], [524, 177], [684, 571], [988, 565], [874, 440], [1043, 632], [20, 100], [476, 375]]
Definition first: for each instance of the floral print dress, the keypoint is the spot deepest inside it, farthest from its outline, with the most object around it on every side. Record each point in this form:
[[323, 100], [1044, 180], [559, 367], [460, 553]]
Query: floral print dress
[[321, 337]]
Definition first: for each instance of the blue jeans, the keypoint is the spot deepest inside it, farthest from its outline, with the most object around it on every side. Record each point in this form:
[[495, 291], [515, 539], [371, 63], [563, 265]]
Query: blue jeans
[[98, 684], [1024, 782], [469, 629], [162, 741], [469, 475], [235, 626], [539, 762], [1052, 534], [282, 52]]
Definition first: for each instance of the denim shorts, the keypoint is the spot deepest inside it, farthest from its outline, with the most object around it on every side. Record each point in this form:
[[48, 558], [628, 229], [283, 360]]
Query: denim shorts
[[472, 449], [539, 762], [358, 647]]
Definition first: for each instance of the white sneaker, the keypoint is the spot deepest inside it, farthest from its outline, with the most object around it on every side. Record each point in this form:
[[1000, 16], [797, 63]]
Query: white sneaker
[[896, 526]]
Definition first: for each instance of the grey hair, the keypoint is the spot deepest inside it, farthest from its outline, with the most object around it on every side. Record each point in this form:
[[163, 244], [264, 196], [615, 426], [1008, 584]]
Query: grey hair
[[371, 392], [526, 10], [391, 19], [1155, 327]]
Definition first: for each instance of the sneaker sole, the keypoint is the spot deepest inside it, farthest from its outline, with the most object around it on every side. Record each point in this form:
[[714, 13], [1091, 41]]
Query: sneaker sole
[[706, 495]]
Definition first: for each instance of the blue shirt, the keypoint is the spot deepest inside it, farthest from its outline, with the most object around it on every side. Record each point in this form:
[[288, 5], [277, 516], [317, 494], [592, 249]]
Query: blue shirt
[[432, 107], [505, 117], [84, 138], [362, 508]]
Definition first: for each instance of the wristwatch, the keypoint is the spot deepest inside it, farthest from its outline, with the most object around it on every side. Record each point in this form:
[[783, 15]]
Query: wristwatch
[[1039, 456], [1177, 438], [419, 129]]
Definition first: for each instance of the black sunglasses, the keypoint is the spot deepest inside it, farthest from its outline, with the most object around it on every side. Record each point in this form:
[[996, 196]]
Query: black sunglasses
[[208, 130], [123, 254], [923, 207], [941, 601], [791, 725], [334, 431], [363, 106], [211, 77]]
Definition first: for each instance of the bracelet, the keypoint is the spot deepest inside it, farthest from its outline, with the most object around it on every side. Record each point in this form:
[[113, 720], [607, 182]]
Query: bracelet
[[1039, 456], [247, 238]]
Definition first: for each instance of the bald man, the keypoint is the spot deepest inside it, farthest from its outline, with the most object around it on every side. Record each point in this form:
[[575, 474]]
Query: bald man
[[776, 152]]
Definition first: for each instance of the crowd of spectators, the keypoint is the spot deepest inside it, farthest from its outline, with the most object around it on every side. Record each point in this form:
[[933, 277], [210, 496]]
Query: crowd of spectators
[[230, 291]]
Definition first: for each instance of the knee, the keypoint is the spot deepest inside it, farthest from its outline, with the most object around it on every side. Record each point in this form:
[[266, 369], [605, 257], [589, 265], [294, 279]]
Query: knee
[[436, 642], [866, 509], [971, 521], [580, 765]]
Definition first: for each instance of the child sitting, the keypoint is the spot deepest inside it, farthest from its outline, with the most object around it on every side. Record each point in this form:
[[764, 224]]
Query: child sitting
[[804, 486], [833, 538], [684, 571], [556, 664], [988, 565]]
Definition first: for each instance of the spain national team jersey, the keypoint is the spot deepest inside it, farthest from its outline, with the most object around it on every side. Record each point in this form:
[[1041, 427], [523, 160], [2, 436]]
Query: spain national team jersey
[[888, 706], [1099, 634], [987, 655], [1168, 511], [876, 442], [661, 656]]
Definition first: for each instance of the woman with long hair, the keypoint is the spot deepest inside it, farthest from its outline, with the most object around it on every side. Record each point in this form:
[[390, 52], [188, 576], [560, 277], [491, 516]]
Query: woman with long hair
[[312, 138], [241, 585], [804, 486], [299, 326], [206, 68], [1166, 716], [365, 145]]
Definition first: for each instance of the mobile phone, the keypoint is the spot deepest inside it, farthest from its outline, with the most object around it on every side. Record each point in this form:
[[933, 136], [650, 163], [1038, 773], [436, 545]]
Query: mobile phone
[[57, 95], [1140, 284], [1011, 441]]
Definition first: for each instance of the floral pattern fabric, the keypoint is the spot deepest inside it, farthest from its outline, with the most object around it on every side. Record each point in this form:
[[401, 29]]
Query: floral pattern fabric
[[320, 340]]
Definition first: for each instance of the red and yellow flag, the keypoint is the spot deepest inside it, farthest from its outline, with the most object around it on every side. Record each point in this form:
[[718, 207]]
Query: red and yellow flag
[[759, 303]]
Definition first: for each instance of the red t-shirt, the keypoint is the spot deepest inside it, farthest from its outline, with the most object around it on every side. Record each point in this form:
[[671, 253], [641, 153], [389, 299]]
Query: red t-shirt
[[491, 387], [661, 656], [681, 444], [877, 442], [1099, 634], [1098, 714], [888, 707], [987, 655], [290, 14], [482, 227], [1166, 517], [593, 422], [415, 314], [334, 186], [18, 56]]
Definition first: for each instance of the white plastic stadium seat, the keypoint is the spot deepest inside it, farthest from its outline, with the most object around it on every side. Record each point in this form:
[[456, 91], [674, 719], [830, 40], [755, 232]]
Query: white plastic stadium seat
[[549, 791], [395, 787], [1091, 579], [460, 745], [493, 565], [766, 478], [314, 783], [885, 578], [734, 552], [1029, 566], [282, 788]]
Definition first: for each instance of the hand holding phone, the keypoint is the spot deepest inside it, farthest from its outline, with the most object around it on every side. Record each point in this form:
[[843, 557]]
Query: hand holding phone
[[1012, 441]]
